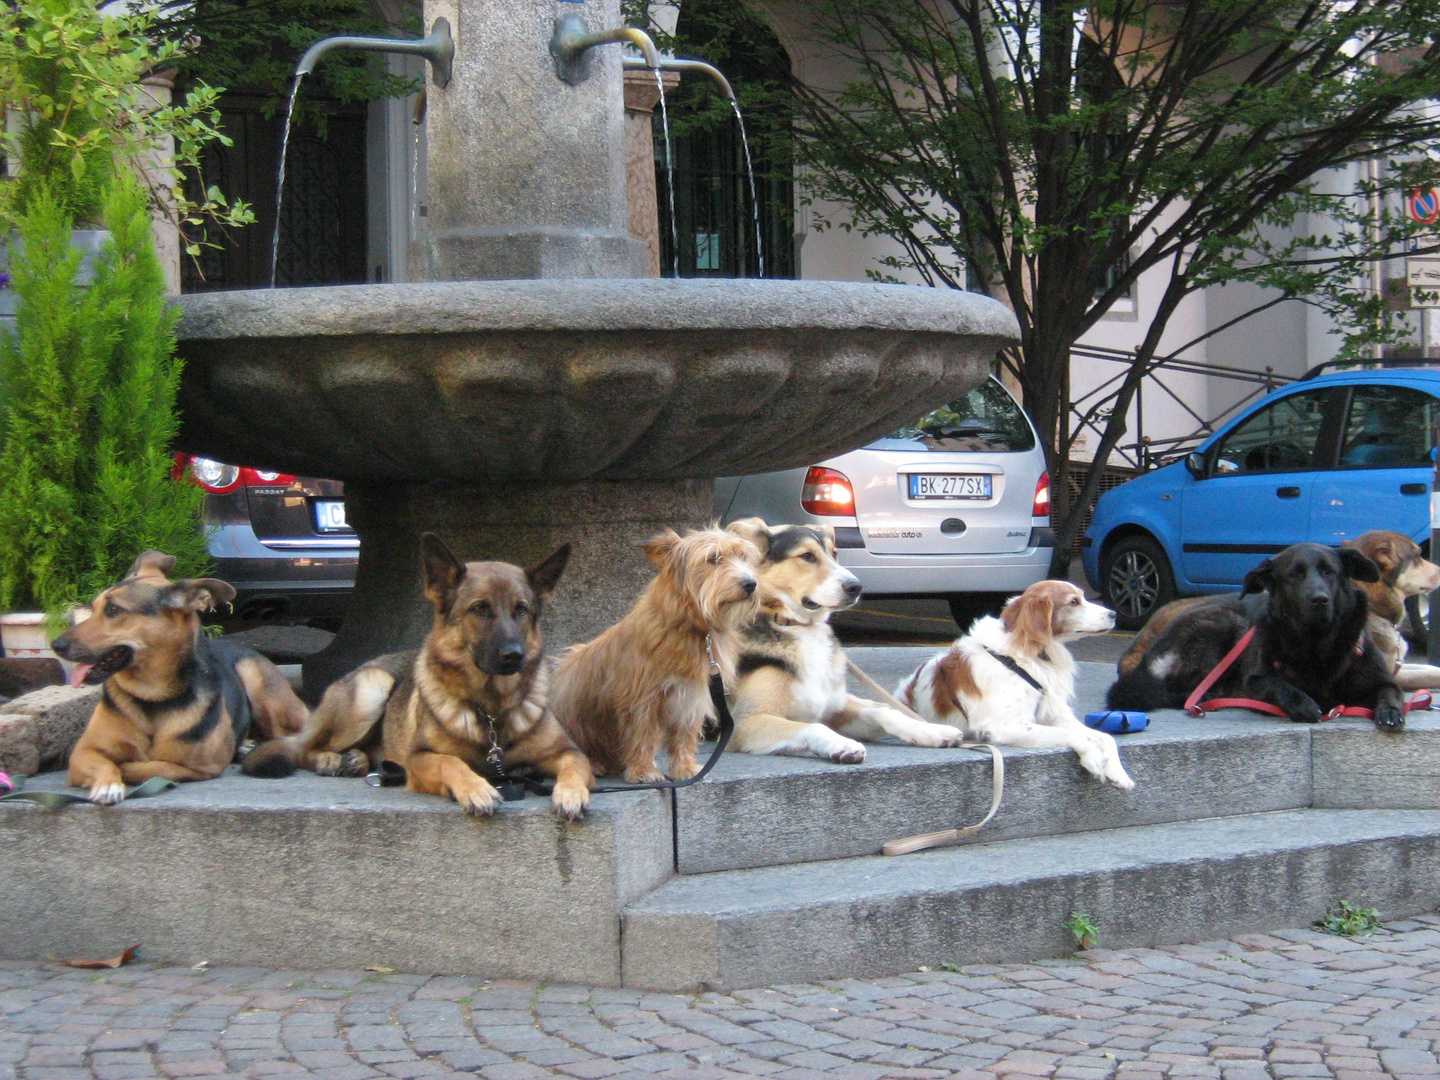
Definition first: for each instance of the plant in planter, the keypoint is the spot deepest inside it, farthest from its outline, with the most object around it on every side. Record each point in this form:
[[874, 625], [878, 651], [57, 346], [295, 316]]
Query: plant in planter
[[88, 374]]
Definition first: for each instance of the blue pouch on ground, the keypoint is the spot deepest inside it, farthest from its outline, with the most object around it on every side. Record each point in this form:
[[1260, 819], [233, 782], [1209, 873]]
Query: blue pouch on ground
[[1117, 722]]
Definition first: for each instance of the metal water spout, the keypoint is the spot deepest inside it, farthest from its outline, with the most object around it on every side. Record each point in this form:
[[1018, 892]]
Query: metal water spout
[[438, 48], [573, 40], [699, 67]]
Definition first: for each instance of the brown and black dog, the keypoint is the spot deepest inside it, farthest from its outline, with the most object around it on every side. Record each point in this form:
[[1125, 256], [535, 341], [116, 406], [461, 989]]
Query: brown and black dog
[[479, 682], [175, 703]]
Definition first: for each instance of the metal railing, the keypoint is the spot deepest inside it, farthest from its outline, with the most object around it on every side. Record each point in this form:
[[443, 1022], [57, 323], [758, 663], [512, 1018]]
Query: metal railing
[[1090, 410]]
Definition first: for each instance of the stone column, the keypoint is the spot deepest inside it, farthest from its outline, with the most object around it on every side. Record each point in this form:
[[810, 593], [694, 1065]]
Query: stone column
[[642, 94], [157, 89], [526, 172]]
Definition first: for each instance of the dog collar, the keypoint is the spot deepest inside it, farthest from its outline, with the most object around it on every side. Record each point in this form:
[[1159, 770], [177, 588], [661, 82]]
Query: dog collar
[[1010, 663]]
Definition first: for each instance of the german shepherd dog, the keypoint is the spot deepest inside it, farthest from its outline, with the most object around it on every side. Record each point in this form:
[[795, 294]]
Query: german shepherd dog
[[175, 703], [789, 694], [473, 696], [644, 683]]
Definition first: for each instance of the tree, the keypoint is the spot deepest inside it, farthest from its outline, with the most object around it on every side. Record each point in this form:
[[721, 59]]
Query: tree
[[1050, 152]]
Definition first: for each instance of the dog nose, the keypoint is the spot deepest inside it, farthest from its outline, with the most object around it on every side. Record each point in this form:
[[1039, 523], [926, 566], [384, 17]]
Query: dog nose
[[748, 585], [60, 645], [851, 587]]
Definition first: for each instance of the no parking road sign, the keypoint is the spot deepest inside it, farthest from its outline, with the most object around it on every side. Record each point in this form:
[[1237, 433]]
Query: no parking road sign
[[1424, 206]]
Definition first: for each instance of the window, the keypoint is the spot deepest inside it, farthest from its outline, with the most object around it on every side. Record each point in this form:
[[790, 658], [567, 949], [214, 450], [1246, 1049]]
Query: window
[[986, 420], [1389, 427], [1280, 438]]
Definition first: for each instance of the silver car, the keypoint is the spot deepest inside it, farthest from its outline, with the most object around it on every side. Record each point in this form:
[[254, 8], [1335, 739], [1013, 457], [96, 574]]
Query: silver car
[[957, 505]]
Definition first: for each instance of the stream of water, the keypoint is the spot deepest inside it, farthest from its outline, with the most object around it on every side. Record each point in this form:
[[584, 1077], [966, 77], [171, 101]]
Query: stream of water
[[754, 198], [669, 175], [280, 180]]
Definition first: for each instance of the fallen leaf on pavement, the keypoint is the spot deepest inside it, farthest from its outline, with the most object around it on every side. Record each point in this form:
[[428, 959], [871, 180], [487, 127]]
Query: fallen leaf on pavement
[[381, 969], [114, 961]]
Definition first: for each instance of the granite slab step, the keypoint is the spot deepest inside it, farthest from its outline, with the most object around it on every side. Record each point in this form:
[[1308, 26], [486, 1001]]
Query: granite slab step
[[1008, 901], [317, 872]]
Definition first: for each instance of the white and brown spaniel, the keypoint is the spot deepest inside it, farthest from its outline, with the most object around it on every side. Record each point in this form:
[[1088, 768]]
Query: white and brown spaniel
[[1010, 680]]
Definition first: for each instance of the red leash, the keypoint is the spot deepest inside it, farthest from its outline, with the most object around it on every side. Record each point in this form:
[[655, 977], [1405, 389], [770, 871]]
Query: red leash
[[1195, 707]]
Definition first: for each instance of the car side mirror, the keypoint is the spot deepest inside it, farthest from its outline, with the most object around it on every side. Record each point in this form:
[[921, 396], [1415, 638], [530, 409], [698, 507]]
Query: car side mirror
[[1195, 464]]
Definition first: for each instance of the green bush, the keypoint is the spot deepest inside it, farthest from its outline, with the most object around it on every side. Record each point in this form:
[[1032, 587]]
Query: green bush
[[88, 381]]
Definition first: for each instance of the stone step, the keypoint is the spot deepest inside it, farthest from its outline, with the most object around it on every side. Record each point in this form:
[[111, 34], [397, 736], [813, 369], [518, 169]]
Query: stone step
[[768, 811], [1008, 901], [315, 872]]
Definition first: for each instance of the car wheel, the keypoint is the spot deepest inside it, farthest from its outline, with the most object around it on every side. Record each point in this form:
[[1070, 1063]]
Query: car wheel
[[965, 608], [1136, 581]]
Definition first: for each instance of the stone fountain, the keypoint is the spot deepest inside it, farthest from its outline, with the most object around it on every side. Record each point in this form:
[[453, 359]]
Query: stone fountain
[[534, 389]]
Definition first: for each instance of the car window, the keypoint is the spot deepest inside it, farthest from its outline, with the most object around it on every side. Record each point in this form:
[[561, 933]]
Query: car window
[[984, 420], [1388, 428], [1278, 438]]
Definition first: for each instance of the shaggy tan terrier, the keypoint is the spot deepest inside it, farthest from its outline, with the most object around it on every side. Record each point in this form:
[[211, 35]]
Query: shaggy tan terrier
[[643, 685]]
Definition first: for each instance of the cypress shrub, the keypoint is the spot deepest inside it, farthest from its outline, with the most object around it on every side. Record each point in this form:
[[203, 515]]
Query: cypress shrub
[[88, 381]]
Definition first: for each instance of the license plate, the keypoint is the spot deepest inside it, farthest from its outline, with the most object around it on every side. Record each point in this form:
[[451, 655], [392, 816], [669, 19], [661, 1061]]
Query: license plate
[[949, 485], [330, 515]]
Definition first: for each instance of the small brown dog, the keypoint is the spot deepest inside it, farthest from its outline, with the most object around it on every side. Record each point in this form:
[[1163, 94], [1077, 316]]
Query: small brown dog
[[644, 683], [176, 704], [477, 686]]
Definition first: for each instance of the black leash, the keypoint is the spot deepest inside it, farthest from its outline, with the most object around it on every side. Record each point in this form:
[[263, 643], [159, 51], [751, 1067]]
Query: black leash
[[513, 788]]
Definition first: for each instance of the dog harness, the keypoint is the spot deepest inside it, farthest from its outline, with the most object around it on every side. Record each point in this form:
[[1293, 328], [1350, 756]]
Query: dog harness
[[1195, 707]]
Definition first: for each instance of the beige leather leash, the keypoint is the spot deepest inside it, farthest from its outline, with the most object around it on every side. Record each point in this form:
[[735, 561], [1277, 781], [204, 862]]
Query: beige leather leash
[[947, 836]]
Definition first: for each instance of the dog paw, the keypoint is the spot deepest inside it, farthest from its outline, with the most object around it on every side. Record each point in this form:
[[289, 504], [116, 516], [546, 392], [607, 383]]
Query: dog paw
[[479, 801], [1117, 777], [852, 753], [683, 768], [327, 763], [1306, 712], [650, 775], [354, 763], [107, 794], [1389, 718], [938, 735], [570, 801]]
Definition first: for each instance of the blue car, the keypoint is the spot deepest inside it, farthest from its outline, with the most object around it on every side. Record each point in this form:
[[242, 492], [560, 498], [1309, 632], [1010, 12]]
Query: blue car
[[1329, 457]]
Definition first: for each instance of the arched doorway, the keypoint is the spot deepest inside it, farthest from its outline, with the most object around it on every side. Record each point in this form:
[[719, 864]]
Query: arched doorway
[[714, 214]]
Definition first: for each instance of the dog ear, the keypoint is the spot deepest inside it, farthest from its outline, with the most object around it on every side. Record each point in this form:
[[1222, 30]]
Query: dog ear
[[658, 548], [545, 575], [753, 529], [827, 534], [1259, 579], [197, 594], [1357, 567], [443, 571], [151, 564], [1027, 617]]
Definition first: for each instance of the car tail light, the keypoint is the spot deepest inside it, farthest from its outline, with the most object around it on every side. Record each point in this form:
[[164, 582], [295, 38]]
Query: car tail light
[[827, 492], [219, 478], [1041, 508]]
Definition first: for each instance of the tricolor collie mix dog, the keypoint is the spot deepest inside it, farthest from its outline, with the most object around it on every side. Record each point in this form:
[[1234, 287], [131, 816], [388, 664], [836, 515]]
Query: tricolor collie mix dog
[[789, 692], [1010, 680], [643, 685], [479, 683], [175, 703]]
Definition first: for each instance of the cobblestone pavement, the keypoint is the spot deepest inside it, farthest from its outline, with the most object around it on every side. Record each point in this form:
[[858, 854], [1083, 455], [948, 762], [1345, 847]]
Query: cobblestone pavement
[[1295, 1004]]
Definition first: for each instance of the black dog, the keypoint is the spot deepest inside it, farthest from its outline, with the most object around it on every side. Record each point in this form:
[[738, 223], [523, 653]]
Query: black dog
[[1308, 655]]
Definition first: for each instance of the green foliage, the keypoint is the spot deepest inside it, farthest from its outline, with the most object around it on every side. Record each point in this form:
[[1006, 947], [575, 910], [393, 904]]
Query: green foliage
[[1082, 929], [1348, 921], [72, 80], [256, 43], [1050, 152], [88, 379]]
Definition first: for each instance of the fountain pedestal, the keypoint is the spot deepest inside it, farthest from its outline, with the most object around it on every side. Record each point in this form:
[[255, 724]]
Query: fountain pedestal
[[521, 523]]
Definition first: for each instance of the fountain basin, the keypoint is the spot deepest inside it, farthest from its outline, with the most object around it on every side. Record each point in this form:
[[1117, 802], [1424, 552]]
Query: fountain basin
[[570, 380]]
